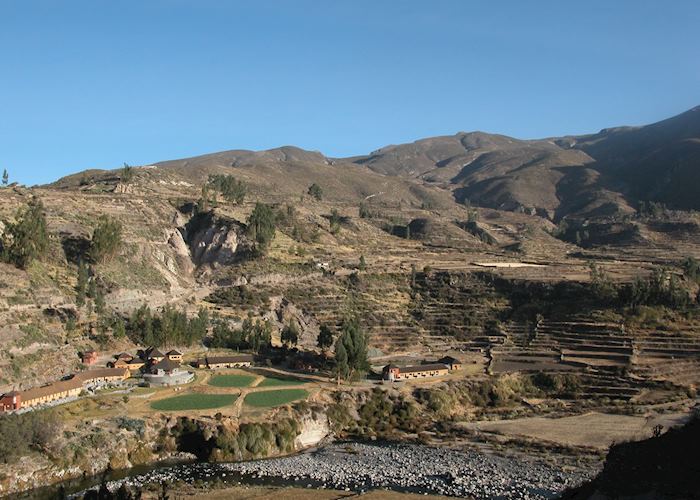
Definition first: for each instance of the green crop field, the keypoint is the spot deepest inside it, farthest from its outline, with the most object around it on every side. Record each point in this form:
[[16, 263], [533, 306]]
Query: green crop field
[[277, 382], [275, 398], [231, 380], [194, 402]]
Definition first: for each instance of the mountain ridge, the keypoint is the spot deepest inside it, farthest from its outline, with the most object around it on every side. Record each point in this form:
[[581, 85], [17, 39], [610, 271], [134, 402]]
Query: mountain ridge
[[607, 173]]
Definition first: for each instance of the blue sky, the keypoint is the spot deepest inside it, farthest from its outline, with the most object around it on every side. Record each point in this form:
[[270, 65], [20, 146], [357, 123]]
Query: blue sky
[[93, 84]]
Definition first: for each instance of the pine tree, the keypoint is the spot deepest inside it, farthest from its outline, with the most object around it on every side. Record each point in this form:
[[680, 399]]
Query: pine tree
[[261, 226], [353, 345], [290, 334], [5, 177], [325, 338], [363, 264], [106, 239], [342, 368], [81, 287]]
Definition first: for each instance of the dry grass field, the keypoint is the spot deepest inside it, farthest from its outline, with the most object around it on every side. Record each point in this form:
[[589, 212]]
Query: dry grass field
[[590, 430]]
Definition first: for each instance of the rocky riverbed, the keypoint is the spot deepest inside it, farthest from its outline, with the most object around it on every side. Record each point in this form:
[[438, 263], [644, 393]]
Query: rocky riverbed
[[410, 468]]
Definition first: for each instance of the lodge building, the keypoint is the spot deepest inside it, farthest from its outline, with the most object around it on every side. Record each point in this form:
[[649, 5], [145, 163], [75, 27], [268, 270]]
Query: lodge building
[[214, 362], [72, 387], [444, 366]]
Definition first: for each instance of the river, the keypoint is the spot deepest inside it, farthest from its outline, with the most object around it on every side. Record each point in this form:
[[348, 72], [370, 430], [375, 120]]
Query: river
[[361, 467]]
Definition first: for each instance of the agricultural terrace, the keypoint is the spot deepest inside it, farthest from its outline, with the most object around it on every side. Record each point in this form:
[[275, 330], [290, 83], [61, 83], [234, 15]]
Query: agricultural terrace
[[267, 399], [194, 401]]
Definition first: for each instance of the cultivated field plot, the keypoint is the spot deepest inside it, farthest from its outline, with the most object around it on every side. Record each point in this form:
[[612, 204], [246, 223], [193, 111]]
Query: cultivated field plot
[[592, 430], [275, 398], [279, 382], [194, 402], [231, 380]]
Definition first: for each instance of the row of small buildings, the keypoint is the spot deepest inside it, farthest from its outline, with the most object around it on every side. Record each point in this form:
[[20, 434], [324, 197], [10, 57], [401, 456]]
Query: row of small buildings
[[441, 367], [63, 389]]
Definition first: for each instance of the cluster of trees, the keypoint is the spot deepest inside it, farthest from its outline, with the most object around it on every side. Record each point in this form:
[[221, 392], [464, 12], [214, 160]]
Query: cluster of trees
[[351, 351], [652, 209], [167, 327], [106, 239], [27, 238], [29, 431], [233, 191], [262, 225], [88, 288], [255, 335], [661, 288]]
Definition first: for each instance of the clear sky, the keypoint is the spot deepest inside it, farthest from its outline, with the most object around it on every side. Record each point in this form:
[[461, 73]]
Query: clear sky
[[93, 84]]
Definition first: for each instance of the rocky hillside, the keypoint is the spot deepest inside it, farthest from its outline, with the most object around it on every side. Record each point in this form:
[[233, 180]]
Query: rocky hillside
[[593, 175]]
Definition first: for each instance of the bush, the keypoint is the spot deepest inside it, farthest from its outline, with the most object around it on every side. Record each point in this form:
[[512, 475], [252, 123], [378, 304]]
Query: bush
[[315, 191]]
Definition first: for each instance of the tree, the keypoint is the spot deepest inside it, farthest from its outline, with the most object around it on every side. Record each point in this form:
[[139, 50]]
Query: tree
[[290, 334], [261, 226], [335, 220], [352, 343], [204, 202], [365, 212], [27, 238], [5, 177], [316, 191], [342, 368], [81, 287], [363, 264], [126, 175], [325, 338], [106, 239]]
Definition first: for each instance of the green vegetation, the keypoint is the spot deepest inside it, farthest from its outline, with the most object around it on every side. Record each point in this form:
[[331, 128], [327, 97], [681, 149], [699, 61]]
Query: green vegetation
[[253, 335], [106, 239], [194, 402], [290, 334], [81, 288], [325, 338], [351, 350], [5, 177], [261, 226], [232, 190], [127, 173], [231, 380], [335, 220], [19, 434], [240, 296], [27, 238], [279, 382], [170, 327], [275, 398], [315, 191], [297, 229], [691, 268]]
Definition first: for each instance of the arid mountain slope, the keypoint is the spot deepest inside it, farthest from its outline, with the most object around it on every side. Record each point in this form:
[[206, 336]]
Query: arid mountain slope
[[658, 162], [594, 175]]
